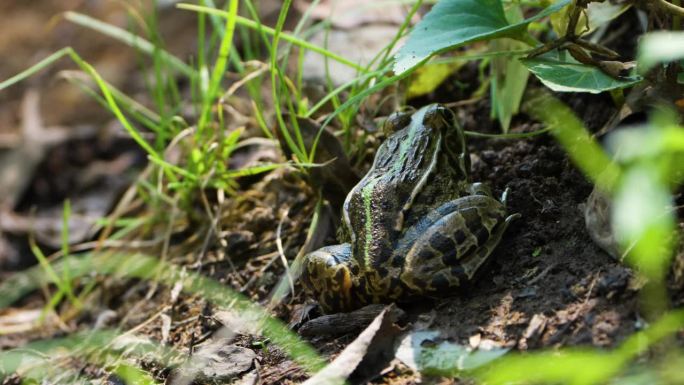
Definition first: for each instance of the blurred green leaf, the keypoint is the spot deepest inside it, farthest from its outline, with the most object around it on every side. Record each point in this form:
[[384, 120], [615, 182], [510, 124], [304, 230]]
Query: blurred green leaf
[[453, 23], [562, 73], [569, 130], [631, 144], [577, 366], [644, 377], [134, 376], [444, 358], [659, 47], [642, 217]]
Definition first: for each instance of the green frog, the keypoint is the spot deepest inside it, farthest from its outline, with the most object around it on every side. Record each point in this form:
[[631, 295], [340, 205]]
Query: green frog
[[414, 225]]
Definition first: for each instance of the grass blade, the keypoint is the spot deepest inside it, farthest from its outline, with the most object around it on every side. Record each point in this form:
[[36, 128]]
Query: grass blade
[[36, 67], [270, 31], [129, 39]]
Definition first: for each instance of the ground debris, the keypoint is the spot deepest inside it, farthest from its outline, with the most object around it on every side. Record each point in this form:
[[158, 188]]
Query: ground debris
[[343, 323], [216, 361], [364, 359], [533, 332]]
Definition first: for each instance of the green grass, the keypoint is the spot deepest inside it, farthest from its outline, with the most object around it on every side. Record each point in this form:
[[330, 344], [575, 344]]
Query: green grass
[[143, 267], [160, 187]]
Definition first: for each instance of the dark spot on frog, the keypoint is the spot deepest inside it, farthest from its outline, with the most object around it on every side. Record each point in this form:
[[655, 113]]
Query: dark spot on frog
[[440, 282], [425, 254], [381, 271], [397, 261], [451, 257], [440, 242], [459, 236], [482, 235], [457, 271]]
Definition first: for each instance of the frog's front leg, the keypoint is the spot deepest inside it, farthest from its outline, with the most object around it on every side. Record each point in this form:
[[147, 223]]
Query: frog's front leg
[[331, 275], [450, 249]]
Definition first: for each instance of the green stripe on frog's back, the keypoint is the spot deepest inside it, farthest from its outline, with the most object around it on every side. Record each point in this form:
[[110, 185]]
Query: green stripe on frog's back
[[367, 194], [369, 187]]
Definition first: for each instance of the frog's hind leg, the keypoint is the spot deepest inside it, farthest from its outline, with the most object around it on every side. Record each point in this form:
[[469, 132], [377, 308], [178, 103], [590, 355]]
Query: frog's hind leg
[[451, 249], [471, 263], [329, 274]]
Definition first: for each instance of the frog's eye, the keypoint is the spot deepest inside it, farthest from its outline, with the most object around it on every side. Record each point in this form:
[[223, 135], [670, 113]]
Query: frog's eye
[[396, 122], [438, 116]]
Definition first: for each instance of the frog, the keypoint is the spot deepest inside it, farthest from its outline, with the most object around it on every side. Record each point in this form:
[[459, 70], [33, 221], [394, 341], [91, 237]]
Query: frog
[[415, 225]]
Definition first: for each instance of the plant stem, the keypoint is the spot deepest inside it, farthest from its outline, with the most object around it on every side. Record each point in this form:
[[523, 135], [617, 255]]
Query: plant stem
[[673, 9], [677, 20]]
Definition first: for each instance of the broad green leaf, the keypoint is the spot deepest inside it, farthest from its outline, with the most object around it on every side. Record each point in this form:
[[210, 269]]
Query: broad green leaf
[[453, 23], [564, 74], [660, 47], [602, 13], [559, 21], [509, 76], [596, 15]]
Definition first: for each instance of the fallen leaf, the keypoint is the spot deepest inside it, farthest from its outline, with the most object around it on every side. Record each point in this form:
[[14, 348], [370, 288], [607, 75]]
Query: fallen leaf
[[13, 321], [215, 362], [534, 331], [423, 352], [364, 358]]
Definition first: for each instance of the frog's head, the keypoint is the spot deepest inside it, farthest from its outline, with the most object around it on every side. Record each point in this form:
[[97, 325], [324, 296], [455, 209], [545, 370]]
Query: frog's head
[[397, 120], [435, 116], [433, 129], [444, 124]]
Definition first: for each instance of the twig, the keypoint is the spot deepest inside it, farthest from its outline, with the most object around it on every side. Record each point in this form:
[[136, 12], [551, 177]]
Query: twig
[[668, 7], [281, 251]]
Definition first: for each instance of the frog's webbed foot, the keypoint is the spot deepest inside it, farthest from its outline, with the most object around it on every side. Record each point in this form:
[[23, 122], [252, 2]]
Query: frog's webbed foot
[[504, 197], [451, 250], [478, 188], [328, 274]]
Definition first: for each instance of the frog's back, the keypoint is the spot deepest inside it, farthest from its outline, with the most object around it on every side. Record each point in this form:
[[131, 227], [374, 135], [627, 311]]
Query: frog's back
[[374, 207]]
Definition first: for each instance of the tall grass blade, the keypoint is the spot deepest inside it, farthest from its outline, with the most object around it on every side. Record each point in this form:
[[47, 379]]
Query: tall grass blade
[[129, 39]]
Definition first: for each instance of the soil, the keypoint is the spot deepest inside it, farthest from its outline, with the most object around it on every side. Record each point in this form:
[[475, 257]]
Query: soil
[[546, 285], [546, 265]]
